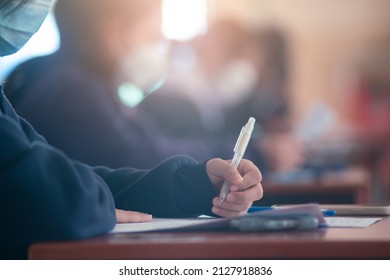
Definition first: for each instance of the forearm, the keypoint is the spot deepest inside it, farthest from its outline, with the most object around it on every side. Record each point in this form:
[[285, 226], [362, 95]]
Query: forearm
[[178, 187]]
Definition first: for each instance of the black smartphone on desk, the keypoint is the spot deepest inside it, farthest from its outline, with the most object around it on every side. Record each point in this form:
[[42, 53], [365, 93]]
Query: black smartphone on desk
[[253, 223]]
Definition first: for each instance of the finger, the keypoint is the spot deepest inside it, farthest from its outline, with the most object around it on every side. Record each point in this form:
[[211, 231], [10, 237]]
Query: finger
[[232, 175], [246, 166], [250, 194], [222, 169], [123, 216], [227, 213], [251, 176], [238, 207]]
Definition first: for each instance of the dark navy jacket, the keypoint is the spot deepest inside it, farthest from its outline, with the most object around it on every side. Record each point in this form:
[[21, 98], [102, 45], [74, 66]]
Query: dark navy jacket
[[46, 196]]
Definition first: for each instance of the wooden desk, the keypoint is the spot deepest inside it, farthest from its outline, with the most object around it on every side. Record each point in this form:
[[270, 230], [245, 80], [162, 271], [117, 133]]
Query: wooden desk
[[333, 243]]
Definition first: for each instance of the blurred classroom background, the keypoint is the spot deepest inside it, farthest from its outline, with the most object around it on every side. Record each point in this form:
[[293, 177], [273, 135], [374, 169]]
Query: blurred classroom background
[[315, 74]]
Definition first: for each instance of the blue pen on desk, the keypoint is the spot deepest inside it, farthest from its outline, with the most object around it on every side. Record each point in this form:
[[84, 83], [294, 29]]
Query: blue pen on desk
[[259, 208], [325, 212], [239, 150], [328, 213]]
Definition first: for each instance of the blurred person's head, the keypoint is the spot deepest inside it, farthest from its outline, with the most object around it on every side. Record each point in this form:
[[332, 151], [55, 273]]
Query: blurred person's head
[[258, 66], [105, 32], [220, 44], [267, 49], [238, 61], [223, 74]]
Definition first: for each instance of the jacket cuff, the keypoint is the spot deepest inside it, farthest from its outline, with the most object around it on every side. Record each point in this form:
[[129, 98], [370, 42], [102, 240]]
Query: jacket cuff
[[197, 199]]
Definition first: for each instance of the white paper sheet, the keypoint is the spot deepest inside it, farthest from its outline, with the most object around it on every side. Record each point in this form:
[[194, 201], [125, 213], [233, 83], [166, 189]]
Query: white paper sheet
[[298, 213], [350, 222], [158, 224]]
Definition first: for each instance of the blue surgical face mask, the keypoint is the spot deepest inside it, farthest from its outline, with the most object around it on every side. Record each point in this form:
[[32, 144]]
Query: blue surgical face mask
[[17, 25]]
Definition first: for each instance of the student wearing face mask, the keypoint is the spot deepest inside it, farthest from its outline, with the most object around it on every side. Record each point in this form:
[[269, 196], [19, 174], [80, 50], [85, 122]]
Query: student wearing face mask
[[104, 46], [46, 196]]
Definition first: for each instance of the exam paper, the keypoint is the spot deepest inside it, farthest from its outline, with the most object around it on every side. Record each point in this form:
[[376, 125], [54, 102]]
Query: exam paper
[[222, 224], [158, 224], [350, 222]]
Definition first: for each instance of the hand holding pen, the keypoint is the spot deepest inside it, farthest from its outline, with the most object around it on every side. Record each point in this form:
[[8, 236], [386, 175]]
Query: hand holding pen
[[239, 150], [244, 186]]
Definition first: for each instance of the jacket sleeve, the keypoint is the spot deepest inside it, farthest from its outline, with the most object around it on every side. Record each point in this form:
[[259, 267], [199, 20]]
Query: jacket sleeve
[[177, 187], [44, 195]]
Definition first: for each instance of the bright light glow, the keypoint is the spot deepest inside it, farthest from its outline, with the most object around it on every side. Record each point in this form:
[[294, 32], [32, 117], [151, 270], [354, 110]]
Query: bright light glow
[[183, 20], [130, 95]]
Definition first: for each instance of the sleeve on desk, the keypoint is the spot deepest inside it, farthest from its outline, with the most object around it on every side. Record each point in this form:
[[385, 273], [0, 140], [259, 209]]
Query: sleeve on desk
[[178, 187]]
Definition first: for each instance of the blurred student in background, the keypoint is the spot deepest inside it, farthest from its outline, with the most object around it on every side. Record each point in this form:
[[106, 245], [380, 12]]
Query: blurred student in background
[[229, 74], [108, 47], [71, 96]]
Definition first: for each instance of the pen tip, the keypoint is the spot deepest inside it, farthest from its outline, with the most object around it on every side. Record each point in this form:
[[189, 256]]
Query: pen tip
[[251, 121]]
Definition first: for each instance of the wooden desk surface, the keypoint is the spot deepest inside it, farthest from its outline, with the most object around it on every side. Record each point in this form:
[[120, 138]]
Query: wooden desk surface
[[333, 243]]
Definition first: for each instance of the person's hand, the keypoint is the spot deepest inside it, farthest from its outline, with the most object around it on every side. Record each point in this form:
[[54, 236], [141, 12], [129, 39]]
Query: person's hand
[[245, 186], [123, 216]]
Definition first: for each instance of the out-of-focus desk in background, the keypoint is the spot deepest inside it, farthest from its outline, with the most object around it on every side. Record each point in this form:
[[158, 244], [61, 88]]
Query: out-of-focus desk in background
[[349, 187], [331, 243], [324, 193]]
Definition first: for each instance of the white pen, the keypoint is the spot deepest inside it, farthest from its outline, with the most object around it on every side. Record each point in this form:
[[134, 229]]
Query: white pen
[[239, 150]]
